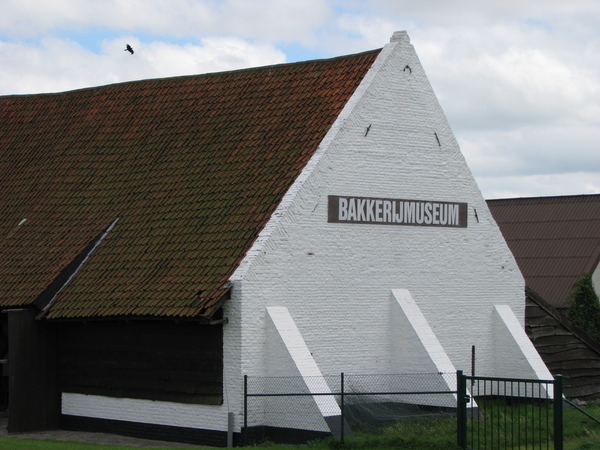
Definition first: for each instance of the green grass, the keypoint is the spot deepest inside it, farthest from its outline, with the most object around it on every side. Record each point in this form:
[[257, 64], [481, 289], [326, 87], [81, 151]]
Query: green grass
[[15, 443], [532, 425], [580, 432]]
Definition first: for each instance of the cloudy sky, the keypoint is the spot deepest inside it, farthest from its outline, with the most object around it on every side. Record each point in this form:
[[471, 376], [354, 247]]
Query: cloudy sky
[[518, 79]]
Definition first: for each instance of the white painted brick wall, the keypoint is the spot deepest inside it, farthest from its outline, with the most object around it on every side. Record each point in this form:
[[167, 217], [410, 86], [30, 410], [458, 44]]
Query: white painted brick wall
[[143, 411], [336, 279], [413, 343]]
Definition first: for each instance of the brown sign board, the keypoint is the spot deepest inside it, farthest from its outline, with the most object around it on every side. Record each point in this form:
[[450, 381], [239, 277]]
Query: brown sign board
[[387, 211]]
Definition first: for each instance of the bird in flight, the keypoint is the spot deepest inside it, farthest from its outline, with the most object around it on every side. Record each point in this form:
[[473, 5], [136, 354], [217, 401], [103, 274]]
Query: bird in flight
[[128, 49]]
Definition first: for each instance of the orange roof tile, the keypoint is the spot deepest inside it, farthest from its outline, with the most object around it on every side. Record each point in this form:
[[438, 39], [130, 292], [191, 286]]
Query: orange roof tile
[[192, 167]]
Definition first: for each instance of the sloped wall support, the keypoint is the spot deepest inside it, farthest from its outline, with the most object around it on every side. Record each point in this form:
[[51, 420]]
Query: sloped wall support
[[307, 368], [416, 348], [513, 351]]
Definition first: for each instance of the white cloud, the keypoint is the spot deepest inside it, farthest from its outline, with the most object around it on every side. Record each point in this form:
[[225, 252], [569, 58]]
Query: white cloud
[[506, 82], [51, 66], [360, 32], [282, 21], [477, 12], [32, 18], [574, 183], [58, 65], [517, 79], [540, 150], [258, 19], [215, 54]]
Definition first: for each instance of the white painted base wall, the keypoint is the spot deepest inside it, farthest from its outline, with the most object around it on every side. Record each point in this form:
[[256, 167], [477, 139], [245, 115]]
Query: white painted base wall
[[145, 411]]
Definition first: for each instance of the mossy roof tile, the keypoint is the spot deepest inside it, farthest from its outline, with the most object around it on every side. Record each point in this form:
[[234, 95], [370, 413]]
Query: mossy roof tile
[[192, 166]]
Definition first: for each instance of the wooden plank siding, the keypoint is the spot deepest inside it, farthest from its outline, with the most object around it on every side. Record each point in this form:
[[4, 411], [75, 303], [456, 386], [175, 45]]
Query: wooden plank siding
[[156, 360], [565, 348], [34, 400]]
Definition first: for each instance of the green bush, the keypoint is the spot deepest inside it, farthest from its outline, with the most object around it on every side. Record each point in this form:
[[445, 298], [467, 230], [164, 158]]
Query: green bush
[[585, 306]]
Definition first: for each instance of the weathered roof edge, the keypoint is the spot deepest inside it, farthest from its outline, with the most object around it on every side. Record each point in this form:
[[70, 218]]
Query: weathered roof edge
[[290, 195], [47, 297], [548, 198]]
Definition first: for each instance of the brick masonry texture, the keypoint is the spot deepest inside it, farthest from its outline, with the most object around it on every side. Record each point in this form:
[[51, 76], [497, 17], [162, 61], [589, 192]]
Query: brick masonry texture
[[336, 279]]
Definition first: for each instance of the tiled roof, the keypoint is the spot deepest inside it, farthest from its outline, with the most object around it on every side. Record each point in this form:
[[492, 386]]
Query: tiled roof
[[192, 167], [553, 239]]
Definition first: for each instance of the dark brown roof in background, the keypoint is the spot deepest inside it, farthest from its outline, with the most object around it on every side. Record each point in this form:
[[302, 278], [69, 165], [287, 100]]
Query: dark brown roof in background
[[553, 239], [193, 167]]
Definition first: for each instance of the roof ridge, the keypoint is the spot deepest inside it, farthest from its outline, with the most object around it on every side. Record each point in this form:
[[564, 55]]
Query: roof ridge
[[548, 199], [200, 75]]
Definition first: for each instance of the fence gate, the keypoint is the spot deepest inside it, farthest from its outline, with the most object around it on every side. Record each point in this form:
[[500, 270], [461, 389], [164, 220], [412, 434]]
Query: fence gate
[[505, 413]]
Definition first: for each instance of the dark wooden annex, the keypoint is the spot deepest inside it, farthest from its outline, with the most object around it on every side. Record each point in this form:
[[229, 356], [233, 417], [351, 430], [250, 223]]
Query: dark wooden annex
[[165, 360], [565, 348]]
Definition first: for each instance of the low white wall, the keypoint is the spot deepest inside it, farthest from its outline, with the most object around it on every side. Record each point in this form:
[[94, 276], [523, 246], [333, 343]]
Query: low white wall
[[145, 411]]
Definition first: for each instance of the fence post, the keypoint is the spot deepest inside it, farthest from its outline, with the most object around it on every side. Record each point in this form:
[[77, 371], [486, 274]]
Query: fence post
[[461, 410], [230, 429], [558, 413], [245, 410], [342, 406]]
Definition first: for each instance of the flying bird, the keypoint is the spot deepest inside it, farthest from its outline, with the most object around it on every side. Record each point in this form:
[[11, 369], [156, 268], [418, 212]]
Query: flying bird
[[128, 49]]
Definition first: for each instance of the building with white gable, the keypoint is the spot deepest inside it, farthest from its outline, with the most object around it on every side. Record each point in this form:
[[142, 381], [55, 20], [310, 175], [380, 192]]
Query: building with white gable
[[297, 220]]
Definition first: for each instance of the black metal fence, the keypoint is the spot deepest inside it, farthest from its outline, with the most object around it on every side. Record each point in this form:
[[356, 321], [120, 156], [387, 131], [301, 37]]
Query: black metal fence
[[298, 409], [504, 413], [490, 413]]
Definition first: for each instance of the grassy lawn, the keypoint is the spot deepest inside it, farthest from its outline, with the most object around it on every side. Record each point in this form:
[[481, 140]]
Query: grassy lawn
[[15, 443], [580, 432]]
